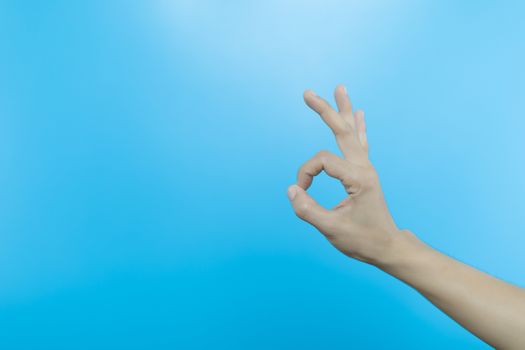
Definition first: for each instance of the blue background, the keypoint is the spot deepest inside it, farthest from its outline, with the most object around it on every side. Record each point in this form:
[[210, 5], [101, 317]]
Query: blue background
[[146, 148]]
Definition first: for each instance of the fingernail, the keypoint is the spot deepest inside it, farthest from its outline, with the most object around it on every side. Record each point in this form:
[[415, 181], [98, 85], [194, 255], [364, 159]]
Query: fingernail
[[292, 191], [344, 89]]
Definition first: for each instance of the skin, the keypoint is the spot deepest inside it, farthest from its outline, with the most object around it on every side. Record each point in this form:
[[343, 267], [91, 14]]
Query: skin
[[362, 227]]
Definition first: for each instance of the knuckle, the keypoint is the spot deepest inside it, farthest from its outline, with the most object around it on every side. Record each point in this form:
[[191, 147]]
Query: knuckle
[[324, 110], [323, 155], [304, 172], [302, 210], [348, 181], [343, 130]]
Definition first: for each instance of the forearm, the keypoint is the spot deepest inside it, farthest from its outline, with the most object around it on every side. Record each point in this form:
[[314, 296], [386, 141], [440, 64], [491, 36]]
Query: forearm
[[488, 307]]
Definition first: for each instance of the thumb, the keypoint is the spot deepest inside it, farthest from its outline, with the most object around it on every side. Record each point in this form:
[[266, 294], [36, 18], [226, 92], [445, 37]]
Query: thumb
[[306, 207]]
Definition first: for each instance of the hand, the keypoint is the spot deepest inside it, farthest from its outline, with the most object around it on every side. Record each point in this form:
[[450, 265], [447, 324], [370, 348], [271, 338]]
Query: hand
[[361, 225]]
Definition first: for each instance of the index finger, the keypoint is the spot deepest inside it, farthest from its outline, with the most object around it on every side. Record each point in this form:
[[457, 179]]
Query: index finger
[[330, 163]]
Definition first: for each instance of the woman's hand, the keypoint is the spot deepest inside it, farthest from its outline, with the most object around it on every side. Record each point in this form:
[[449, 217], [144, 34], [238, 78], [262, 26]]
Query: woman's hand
[[361, 225]]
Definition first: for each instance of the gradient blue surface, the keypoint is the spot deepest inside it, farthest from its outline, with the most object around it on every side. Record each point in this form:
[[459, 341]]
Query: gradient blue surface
[[146, 147]]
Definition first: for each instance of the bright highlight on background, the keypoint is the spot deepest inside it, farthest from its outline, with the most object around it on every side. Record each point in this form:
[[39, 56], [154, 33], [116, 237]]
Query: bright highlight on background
[[146, 148]]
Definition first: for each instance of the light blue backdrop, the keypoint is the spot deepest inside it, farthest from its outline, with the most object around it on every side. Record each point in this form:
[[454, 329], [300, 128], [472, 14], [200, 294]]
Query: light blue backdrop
[[146, 148]]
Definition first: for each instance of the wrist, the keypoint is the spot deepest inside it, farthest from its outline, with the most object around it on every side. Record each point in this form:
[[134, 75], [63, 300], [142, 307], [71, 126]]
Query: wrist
[[404, 250]]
